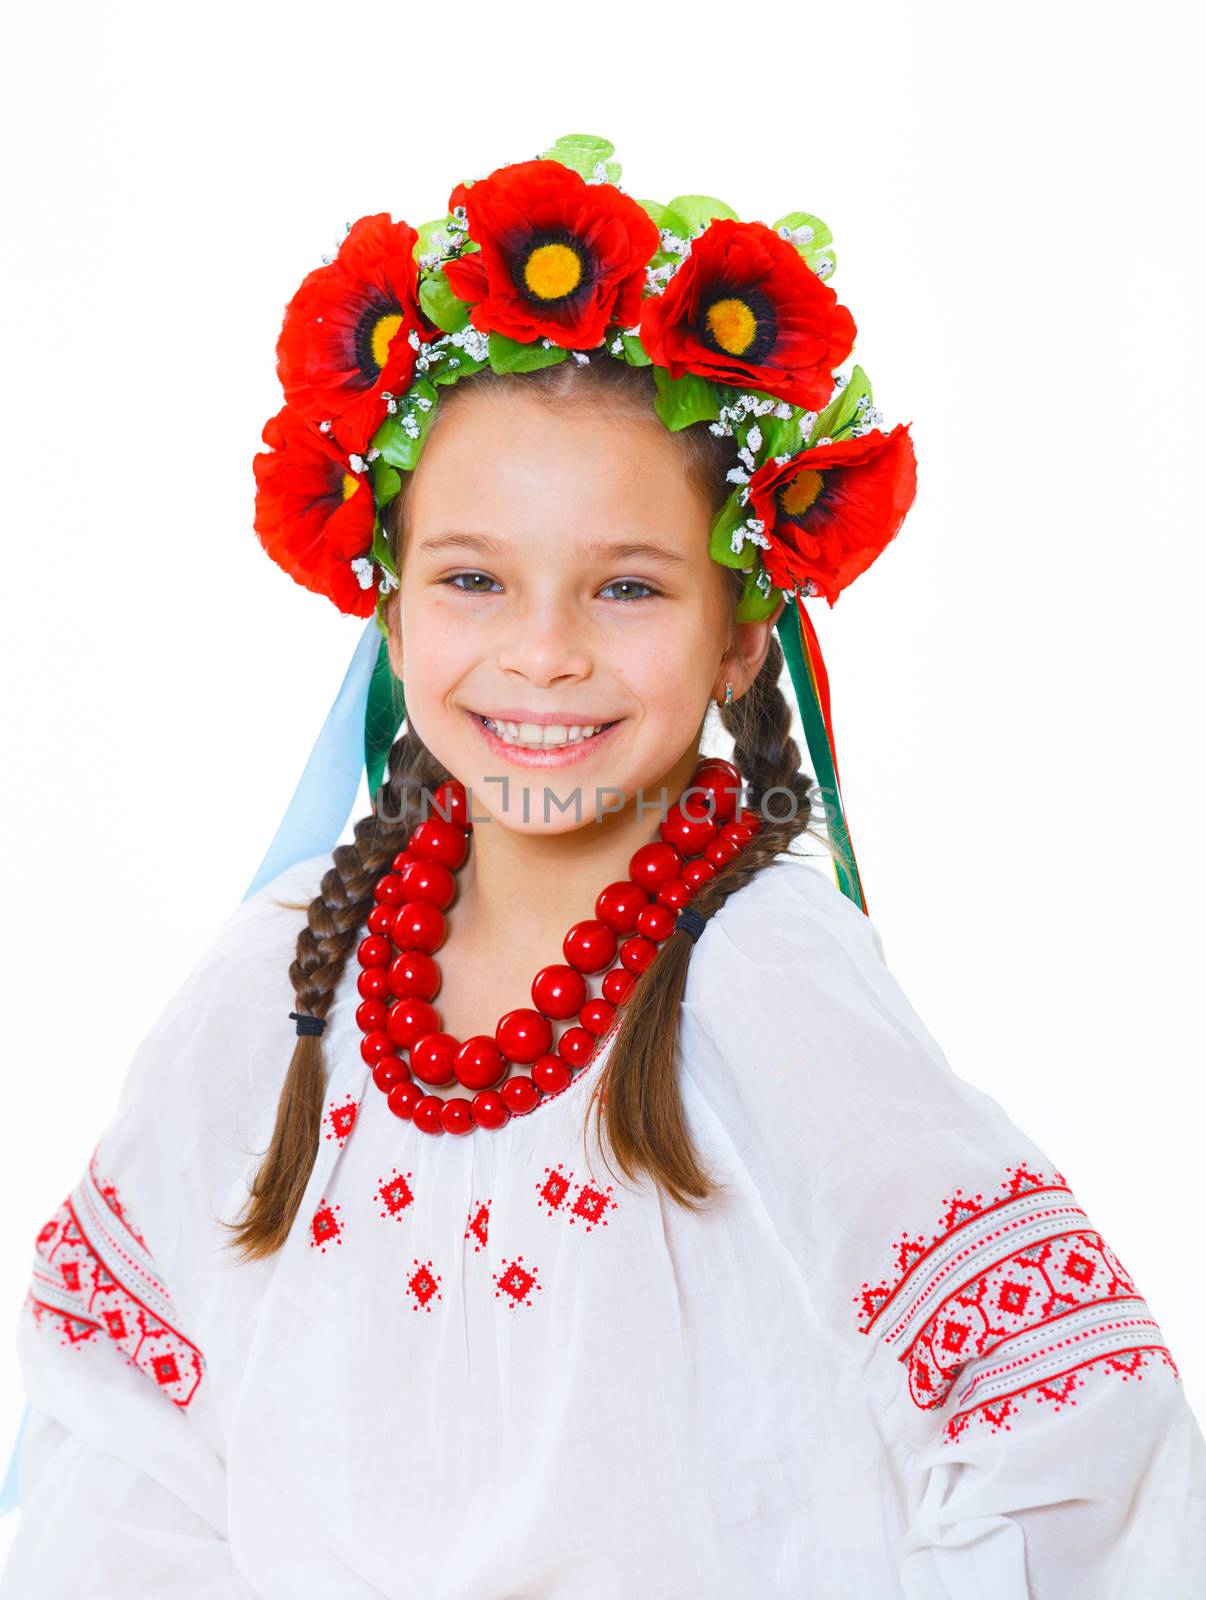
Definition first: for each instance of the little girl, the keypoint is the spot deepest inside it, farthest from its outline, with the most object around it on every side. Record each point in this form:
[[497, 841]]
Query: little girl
[[551, 1193]]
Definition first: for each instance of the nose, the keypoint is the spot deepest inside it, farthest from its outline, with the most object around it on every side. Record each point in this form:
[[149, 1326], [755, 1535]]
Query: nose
[[545, 643]]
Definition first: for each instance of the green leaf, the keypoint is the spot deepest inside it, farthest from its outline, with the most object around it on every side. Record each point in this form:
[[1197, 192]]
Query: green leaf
[[510, 355], [687, 213], [466, 366], [397, 447], [634, 351], [446, 310], [386, 482], [581, 152], [781, 436], [720, 538], [816, 249], [842, 411], [380, 551], [753, 605], [682, 401]]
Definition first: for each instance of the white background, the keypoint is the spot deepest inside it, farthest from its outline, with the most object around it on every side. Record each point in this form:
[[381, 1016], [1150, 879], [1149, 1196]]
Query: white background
[[1015, 199]]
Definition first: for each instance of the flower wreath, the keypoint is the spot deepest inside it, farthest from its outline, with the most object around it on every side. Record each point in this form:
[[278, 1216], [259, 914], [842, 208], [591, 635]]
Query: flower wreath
[[542, 261]]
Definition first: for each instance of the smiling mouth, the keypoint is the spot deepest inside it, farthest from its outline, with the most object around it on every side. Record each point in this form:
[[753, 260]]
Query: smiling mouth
[[552, 736]]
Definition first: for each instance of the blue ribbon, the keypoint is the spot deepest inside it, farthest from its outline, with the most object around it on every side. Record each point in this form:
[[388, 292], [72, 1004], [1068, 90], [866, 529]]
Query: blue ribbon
[[330, 780]]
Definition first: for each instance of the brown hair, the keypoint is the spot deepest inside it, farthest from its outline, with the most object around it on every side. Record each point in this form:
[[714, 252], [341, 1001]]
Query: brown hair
[[636, 1098]]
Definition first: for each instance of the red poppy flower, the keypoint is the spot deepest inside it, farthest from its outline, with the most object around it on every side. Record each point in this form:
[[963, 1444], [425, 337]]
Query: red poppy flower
[[829, 511], [345, 340], [313, 515], [560, 258], [745, 309]]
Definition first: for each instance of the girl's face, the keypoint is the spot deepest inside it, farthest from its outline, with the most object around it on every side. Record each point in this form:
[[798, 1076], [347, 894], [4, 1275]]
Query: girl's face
[[555, 571]]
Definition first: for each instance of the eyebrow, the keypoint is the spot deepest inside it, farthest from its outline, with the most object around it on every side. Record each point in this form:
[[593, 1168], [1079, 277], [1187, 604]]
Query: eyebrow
[[600, 549]]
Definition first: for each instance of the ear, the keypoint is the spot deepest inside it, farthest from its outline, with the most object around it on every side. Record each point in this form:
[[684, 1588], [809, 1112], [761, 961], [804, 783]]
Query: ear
[[744, 661]]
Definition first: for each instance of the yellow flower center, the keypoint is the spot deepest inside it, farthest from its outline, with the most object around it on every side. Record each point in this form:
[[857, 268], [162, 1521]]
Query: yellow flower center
[[732, 324], [350, 485], [552, 271], [383, 331], [796, 498]]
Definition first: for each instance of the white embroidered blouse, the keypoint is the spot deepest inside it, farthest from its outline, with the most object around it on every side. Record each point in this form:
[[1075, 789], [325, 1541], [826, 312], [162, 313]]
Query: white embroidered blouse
[[895, 1359]]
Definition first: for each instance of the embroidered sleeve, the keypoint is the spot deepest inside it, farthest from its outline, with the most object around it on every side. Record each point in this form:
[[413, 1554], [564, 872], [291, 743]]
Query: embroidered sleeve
[[1051, 1443], [120, 1492]]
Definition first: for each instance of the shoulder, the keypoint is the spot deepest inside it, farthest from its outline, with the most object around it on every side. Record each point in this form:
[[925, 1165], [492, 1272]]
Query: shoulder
[[196, 1102]]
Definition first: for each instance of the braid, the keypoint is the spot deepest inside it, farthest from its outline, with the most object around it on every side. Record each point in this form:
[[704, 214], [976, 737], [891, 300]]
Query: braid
[[335, 920], [637, 1096]]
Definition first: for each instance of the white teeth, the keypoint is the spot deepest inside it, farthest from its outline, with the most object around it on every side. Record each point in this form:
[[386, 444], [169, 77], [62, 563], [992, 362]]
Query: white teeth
[[538, 735]]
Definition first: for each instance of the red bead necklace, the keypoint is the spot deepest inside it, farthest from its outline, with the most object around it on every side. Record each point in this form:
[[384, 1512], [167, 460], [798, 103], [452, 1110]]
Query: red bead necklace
[[399, 976]]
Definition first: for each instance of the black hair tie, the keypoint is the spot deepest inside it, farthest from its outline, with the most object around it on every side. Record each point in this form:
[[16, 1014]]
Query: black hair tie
[[307, 1025], [691, 921]]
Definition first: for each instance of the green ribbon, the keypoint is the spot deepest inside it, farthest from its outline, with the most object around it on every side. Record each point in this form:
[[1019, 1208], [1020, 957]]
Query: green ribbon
[[845, 867], [384, 714]]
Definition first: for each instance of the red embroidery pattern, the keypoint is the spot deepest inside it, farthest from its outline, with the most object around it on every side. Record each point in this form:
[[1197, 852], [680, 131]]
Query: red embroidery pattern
[[342, 1118], [590, 1205], [516, 1283], [424, 1284], [479, 1225], [325, 1227], [1010, 1301], [93, 1275], [395, 1193]]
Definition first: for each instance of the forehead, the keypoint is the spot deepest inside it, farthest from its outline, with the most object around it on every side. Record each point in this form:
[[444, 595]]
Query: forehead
[[498, 455]]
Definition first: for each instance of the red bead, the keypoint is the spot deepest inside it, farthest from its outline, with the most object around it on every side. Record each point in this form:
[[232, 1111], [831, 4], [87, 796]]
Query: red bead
[[373, 983], [381, 919], [375, 1045], [636, 953], [388, 1071], [523, 1035], [697, 873], [489, 1109], [590, 946], [656, 922], [432, 1056], [618, 985], [576, 1046], [451, 803], [688, 834], [721, 786], [428, 880], [751, 818], [478, 1063], [370, 1015], [403, 1098], [653, 864], [419, 926], [429, 1114], [457, 1115], [719, 764], [559, 992], [409, 1020], [719, 853], [674, 894], [437, 840], [374, 951], [388, 890], [402, 859], [596, 1016], [414, 976], [520, 1094], [736, 833], [550, 1074], [618, 904]]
